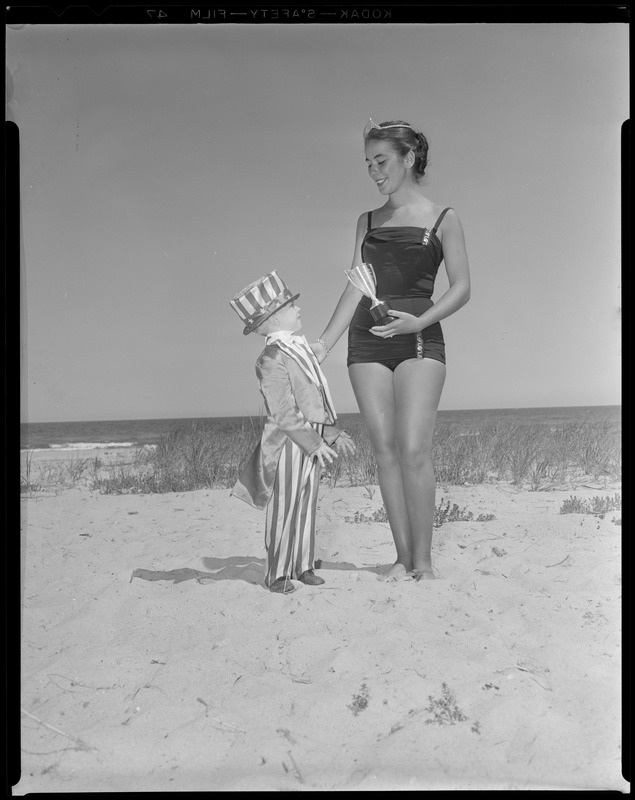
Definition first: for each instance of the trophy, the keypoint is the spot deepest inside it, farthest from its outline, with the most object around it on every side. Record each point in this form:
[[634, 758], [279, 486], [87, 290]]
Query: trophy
[[363, 278]]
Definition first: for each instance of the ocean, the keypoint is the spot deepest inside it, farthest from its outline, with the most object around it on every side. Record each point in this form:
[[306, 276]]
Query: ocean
[[139, 432]]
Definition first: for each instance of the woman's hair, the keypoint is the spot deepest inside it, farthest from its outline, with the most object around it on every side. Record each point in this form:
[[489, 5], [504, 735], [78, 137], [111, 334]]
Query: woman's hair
[[403, 138]]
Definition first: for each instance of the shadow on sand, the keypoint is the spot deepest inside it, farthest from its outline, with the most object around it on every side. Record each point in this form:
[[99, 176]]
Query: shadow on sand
[[235, 568]]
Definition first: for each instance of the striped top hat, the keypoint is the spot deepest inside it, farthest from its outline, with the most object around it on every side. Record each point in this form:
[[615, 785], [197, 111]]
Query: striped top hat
[[260, 300]]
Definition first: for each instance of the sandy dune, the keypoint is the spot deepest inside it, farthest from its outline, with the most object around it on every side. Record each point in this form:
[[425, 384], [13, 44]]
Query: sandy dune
[[504, 673]]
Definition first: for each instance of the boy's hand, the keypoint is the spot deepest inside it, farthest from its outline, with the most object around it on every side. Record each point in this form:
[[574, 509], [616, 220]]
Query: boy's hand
[[344, 443], [325, 454]]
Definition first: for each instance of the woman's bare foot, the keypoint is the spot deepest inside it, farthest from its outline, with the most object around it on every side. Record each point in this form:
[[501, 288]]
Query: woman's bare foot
[[424, 574], [395, 573]]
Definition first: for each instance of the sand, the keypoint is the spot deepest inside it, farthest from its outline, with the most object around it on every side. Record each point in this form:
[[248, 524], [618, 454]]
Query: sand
[[505, 673]]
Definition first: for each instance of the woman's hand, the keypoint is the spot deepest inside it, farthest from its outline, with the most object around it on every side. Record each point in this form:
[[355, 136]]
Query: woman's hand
[[401, 324], [320, 351]]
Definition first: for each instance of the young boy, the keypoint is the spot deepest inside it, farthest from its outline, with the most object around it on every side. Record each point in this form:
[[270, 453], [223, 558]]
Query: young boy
[[282, 475]]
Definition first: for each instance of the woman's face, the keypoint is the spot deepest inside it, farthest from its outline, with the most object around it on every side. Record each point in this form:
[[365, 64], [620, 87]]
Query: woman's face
[[385, 166]]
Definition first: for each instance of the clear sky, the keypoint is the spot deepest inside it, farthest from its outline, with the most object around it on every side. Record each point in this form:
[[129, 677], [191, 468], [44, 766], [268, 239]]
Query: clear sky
[[165, 167]]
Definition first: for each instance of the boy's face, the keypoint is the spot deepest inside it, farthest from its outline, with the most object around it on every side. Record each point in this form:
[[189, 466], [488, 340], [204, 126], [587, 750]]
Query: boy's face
[[288, 318]]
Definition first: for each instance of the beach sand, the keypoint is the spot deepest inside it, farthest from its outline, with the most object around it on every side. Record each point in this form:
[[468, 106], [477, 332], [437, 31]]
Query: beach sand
[[505, 673]]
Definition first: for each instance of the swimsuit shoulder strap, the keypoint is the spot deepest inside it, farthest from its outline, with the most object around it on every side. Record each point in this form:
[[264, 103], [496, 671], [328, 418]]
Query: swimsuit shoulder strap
[[370, 216], [438, 222]]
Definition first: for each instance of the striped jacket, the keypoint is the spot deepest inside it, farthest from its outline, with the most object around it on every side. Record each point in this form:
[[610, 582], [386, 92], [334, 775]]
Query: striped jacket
[[292, 402]]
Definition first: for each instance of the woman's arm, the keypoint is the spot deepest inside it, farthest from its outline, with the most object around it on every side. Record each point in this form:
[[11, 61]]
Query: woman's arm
[[458, 293], [347, 303]]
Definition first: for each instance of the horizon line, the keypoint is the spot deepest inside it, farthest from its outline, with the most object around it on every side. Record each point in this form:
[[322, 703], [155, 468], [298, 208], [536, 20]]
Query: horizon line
[[261, 414]]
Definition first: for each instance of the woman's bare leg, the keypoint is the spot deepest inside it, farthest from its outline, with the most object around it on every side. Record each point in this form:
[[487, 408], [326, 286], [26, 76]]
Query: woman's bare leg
[[374, 391], [418, 384]]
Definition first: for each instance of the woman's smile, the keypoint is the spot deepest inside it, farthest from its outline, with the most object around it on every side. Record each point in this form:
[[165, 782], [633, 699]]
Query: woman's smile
[[385, 166]]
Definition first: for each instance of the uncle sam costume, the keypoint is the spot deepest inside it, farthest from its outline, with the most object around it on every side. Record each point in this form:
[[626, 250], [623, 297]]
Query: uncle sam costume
[[281, 475]]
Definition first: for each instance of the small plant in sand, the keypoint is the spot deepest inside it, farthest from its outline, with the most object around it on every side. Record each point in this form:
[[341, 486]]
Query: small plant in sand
[[381, 515], [442, 513], [445, 513], [604, 505], [360, 700], [444, 710], [598, 506], [573, 506]]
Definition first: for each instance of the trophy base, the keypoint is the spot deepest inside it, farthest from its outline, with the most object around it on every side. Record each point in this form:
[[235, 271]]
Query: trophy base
[[379, 313]]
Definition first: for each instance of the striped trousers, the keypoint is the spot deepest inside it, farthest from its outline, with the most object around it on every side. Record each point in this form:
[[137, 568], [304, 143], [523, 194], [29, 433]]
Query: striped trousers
[[290, 524]]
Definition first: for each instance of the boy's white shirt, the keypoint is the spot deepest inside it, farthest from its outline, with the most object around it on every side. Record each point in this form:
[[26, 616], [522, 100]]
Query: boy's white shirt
[[297, 346]]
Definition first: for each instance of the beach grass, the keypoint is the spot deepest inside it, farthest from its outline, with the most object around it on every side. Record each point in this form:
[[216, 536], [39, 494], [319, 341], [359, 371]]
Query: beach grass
[[532, 456], [190, 457]]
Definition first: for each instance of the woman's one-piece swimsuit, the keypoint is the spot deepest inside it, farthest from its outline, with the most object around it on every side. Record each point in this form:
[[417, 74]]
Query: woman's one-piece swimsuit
[[405, 260]]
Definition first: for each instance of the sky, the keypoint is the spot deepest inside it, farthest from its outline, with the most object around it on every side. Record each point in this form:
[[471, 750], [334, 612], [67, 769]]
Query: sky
[[164, 168]]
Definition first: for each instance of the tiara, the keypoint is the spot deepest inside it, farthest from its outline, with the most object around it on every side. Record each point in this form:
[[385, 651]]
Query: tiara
[[370, 125]]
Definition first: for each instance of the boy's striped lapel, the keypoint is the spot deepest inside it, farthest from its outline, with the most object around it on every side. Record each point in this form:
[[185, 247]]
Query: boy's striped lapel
[[299, 349]]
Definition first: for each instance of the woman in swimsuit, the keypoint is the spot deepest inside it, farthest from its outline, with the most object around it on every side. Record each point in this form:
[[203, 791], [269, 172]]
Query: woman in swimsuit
[[397, 370]]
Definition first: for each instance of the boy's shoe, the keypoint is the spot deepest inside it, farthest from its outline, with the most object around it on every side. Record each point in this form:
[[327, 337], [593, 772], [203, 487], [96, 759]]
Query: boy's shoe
[[310, 578], [282, 586]]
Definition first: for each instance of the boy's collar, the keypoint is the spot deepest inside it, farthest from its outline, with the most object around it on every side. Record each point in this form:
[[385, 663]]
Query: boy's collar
[[284, 336]]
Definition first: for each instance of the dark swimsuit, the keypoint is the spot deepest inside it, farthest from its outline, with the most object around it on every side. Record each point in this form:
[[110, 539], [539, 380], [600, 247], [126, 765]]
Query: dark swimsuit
[[405, 259]]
